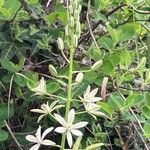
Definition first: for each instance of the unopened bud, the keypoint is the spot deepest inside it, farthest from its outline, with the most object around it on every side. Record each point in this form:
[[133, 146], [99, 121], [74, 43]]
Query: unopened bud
[[71, 21], [75, 4], [96, 65], [66, 30], [60, 43], [79, 77], [70, 9], [79, 8], [78, 28], [52, 70], [75, 40]]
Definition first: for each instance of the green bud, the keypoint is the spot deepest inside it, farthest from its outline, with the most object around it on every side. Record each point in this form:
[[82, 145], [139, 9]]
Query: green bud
[[70, 9], [79, 8], [78, 28], [96, 65], [60, 43], [66, 30], [75, 40], [75, 4], [79, 77], [71, 21], [52, 70]]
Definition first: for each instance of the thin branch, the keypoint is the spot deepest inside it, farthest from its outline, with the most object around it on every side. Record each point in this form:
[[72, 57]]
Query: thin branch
[[140, 11], [138, 122], [89, 25], [87, 32], [12, 135]]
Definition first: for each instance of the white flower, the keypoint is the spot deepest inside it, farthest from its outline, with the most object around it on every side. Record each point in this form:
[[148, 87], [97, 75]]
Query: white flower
[[41, 87], [46, 109], [89, 96], [69, 127], [93, 109], [39, 139]]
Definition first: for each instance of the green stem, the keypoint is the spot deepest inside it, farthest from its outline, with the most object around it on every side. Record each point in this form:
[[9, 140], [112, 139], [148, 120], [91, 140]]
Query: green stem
[[69, 97]]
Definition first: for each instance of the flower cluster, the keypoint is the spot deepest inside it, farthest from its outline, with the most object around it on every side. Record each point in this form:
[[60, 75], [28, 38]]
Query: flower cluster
[[89, 101], [67, 127]]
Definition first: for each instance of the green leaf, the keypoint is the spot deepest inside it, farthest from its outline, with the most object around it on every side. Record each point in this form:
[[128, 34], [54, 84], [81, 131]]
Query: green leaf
[[108, 67], [8, 65], [116, 102], [113, 34], [1, 3], [106, 107], [94, 146], [106, 43], [77, 143], [127, 31], [5, 113], [32, 1], [5, 12], [125, 58], [146, 111], [3, 135], [52, 87], [147, 130], [133, 100]]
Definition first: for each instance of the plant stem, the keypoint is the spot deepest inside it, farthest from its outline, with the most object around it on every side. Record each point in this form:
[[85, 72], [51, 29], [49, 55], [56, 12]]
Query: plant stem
[[69, 97]]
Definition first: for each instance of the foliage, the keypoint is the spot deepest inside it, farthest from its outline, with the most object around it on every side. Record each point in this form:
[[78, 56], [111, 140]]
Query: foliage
[[90, 63]]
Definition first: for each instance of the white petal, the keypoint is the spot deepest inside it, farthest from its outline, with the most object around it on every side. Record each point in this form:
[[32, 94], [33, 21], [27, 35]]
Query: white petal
[[31, 138], [46, 132], [57, 107], [93, 92], [79, 125], [88, 90], [60, 129], [38, 133], [38, 111], [53, 104], [71, 116], [76, 132], [60, 120], [48, 142], [35, 147], [40, 118], [95, 99], [69, 139]]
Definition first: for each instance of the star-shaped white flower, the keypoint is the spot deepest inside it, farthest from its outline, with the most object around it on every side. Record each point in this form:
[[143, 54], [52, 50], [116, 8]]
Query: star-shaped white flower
[[46, 109], [41, 87], [89, 96], [39, 139], [69, 127], [93, 109]]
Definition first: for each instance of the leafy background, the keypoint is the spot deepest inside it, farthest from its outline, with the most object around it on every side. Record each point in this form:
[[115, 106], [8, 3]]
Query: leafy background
[[28, 34]]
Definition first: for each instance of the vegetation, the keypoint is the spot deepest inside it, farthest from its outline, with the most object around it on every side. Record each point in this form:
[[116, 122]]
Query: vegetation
[[75, 74]]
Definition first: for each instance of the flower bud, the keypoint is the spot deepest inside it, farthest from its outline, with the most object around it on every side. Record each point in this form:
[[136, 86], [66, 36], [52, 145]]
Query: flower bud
[[52, 70], [71, 21], [70, 9], [75, 40], [77, 15], [78, 28], [79, 8], [96, 65], [75, 4], [60, 43], [66, 30], [79, 77]]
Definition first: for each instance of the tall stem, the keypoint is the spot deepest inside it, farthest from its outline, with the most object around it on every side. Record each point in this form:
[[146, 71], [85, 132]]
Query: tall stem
[[69, 97]]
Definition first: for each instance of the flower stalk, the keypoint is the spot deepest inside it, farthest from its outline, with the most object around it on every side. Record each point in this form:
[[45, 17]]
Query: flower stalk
[[69, 97]]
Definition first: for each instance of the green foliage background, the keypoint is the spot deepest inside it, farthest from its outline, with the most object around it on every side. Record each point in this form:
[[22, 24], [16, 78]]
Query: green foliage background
[[28, 34]]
